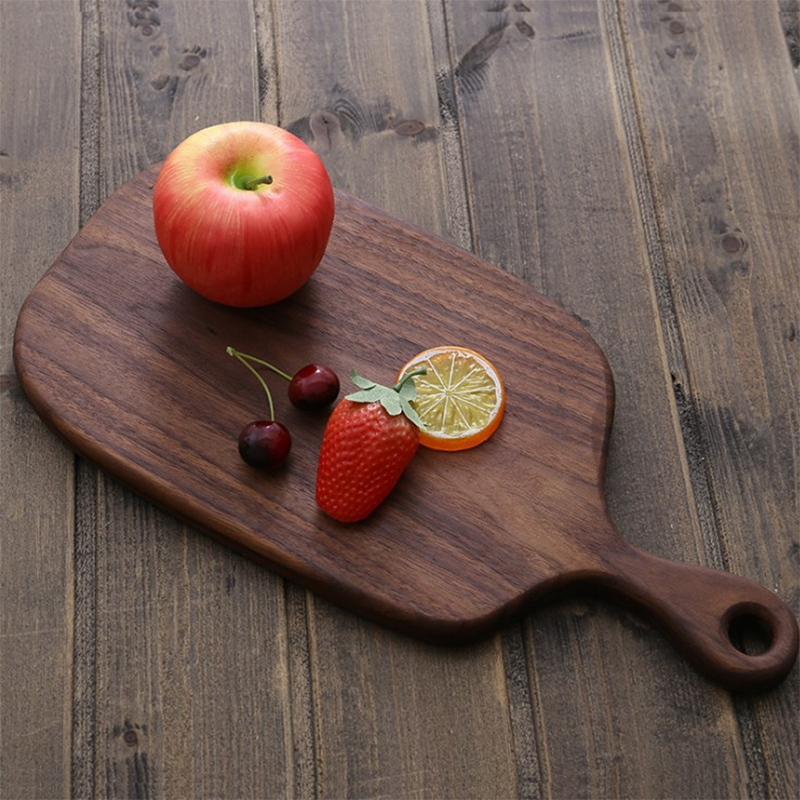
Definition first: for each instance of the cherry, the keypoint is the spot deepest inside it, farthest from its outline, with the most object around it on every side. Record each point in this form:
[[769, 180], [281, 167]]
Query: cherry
[[310, 388], [264, 444], [313, 387]]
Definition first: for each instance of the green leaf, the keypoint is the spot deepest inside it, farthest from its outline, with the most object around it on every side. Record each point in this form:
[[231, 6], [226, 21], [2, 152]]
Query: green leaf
[[392, 403], [408, 391], [360, 381], [371, 395], [411, 413]]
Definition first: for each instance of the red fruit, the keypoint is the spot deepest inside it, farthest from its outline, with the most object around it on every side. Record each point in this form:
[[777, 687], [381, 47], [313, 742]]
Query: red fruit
[[264, 444], [313, 387], [365, 449]]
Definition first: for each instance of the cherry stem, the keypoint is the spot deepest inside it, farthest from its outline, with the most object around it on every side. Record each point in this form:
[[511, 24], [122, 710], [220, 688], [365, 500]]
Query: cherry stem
[[412, 374], [240, 356], [253, 182]]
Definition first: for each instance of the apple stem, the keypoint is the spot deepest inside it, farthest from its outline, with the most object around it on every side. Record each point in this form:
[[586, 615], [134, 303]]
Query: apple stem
[[254, 182], [241, 357]]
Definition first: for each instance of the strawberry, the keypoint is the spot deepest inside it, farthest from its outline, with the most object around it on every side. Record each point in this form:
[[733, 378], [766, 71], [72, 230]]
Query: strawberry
[[369, 440]]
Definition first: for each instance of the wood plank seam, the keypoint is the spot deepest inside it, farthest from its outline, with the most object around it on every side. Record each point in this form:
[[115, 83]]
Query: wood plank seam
[[84, 688], [89, 190], [516, 661], [789, 14], [462, 223], [269, 96], [301, 692]]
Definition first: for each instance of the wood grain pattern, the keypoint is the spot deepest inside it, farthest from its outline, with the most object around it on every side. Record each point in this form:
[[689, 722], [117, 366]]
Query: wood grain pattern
[[132, 382], [561, 140], [730, 241], [36, 472]]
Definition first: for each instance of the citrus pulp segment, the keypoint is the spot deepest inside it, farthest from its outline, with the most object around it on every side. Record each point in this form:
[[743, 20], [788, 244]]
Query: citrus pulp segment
[[460, 398]]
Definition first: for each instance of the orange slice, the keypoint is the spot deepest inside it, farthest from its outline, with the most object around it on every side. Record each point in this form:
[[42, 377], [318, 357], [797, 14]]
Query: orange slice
[[460, 399]]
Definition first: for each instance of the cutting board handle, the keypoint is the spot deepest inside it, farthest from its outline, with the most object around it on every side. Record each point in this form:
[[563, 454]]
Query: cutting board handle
[[699, 608]]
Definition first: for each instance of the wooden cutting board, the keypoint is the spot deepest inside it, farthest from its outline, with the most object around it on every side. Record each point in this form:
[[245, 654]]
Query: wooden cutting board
[[129, 366]]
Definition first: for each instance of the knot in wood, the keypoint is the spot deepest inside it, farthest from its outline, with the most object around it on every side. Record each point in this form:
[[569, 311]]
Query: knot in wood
[[409, 127]]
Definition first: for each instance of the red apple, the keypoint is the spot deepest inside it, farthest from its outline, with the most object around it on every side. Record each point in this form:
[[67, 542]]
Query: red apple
[[243, 212]]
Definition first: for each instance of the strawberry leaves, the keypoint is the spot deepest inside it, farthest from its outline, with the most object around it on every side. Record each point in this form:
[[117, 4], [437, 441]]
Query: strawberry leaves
[[395, 400]]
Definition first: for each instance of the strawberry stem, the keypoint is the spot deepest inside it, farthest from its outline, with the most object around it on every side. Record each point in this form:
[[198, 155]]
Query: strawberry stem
[[412, 374], [241, 357], [232, 352]]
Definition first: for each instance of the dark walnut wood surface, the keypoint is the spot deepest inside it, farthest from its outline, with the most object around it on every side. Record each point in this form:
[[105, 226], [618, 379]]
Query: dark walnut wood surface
[[636, 162], [130, 367]]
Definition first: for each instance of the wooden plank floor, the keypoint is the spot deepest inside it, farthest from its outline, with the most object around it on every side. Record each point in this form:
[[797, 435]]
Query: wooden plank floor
[[638, 162]]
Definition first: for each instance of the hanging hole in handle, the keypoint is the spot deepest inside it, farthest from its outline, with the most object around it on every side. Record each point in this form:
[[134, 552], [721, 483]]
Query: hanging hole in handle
[[750, 629]]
